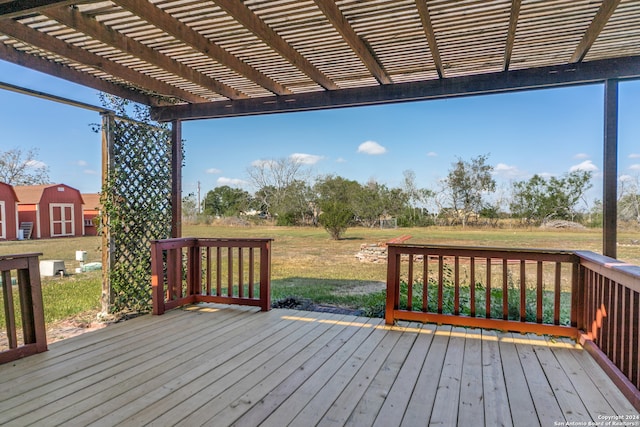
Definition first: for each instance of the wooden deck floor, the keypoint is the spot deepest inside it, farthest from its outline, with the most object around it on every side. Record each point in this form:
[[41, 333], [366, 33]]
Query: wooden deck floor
[[219, 365]]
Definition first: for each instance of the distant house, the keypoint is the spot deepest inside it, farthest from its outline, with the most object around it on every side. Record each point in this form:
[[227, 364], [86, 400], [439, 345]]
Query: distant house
[[90, 211], [55, 210], [8, 212]]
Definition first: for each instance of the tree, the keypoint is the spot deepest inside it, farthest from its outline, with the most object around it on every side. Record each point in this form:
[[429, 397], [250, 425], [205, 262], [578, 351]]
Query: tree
[[335, 195], [465, 185], [273, 178], [629, 199], [226, 201], [540, 199], [417, 197], [18, 167]]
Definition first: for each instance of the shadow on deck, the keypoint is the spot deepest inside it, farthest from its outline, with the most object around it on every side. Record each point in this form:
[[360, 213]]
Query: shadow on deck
[[220, 365]]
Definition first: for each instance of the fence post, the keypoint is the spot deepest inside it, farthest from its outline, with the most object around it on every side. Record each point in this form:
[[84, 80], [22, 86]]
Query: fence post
[[393, 284], [157, 279], [265, 276]]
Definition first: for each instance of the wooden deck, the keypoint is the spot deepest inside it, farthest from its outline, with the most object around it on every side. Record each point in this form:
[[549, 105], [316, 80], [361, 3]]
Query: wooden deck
[[219, 365]]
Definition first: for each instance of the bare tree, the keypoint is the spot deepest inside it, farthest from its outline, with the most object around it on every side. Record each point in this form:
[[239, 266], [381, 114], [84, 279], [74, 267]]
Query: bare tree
[[18, 167], [272, 179]]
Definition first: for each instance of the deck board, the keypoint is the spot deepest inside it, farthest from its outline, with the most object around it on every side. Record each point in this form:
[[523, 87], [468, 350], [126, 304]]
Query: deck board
[[219, 365]]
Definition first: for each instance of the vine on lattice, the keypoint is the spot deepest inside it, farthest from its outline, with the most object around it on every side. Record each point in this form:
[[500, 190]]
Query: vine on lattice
[[136, 199]]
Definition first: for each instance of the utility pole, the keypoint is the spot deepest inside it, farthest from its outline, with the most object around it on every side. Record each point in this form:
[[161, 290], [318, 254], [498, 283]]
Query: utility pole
[[199, 211]]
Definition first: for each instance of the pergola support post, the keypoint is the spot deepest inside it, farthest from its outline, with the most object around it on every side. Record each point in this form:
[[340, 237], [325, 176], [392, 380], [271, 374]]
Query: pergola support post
[[610, 166], [107, 165], [176, 178]]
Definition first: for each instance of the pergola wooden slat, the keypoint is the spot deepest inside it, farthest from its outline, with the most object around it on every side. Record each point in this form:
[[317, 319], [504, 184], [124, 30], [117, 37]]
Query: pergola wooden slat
[[192, 59]]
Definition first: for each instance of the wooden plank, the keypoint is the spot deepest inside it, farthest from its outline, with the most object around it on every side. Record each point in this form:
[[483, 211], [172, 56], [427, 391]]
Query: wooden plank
[[445, 407], [496, 402], [324, 371], [547, 409], [54, 400], [566, 395], [471, 407], [523, 412], [613, 395], [227, 384], [423, 397], [597, 25], [590, 394], [396, 401], [193, 370], [369, 405], [313, 412], [285, 385], [344, 405]]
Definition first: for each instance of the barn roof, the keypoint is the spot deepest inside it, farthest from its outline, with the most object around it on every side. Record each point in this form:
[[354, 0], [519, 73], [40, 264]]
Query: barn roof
[[215, 58], [32, 194], [92, 201]]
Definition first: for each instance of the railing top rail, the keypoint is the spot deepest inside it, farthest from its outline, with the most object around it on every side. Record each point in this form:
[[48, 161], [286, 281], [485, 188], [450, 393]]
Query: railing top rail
[[18, 256], [610, 267], [188, 242], [485, 251]]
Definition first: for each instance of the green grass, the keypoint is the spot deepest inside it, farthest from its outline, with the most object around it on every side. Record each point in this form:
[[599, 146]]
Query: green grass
[[64, 298], [306, 263]]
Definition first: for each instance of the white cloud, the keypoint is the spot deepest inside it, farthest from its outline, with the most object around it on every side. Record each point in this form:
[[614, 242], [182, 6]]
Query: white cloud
[[233, 182], [634, 156], [213, 171], [432, 154], [635, 167], [90, 172], [625, 178], [546, 175], [506, 170], [587, 165], [36, 164], [306, 159], [581, 156], [81, 163], [372, 148], [341, 160]]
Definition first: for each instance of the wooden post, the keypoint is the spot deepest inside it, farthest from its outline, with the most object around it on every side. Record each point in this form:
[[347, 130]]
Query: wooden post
[[610, 165], [176, 178], [107, 165]]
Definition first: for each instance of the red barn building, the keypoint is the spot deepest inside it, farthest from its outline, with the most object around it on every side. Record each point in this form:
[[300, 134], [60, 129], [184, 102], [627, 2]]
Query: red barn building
[[90, 212], [8, 212], [55, 210]]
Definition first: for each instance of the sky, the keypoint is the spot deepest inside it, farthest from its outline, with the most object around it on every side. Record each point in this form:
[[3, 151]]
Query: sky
[[549, 132]]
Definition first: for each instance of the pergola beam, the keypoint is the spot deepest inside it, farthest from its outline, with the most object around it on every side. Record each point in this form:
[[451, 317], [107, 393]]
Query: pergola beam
[[94, 29], [167, 23], [46, 42], [599, 21], [257, 26], [511, 32], [526, 79], [55, 69], [340, 23], [16, 8], [425, 17]]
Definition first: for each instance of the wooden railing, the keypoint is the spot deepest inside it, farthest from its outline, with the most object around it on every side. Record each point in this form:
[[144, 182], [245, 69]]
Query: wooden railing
[[576, 294], [29, 302], [483, 287], [609, 316], [190, 270]]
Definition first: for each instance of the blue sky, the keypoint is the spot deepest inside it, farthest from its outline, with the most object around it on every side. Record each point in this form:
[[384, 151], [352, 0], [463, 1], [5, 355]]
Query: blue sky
[[546, 132]]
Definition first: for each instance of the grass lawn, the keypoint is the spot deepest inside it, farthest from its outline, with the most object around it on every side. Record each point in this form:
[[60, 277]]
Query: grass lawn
[[306, 263]]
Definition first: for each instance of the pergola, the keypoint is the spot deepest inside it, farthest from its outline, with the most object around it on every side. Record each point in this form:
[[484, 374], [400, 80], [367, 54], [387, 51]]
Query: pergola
[[194, 59]]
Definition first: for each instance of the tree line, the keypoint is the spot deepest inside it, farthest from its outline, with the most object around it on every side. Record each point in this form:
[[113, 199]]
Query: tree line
[[289, 195]]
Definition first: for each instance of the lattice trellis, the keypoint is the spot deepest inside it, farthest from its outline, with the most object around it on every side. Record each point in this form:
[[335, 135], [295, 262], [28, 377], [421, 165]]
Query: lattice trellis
[[136, 201]]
